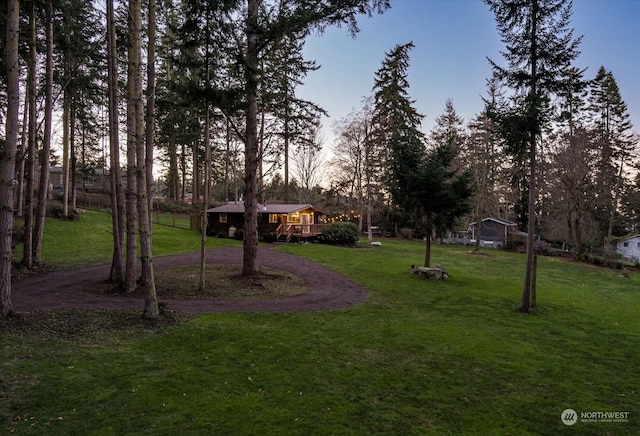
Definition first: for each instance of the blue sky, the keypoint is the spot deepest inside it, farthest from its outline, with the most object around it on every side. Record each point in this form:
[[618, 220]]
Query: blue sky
[[452, 40]]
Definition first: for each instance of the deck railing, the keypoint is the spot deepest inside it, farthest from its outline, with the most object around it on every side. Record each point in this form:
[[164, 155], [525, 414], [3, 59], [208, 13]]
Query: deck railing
[[299, 230]]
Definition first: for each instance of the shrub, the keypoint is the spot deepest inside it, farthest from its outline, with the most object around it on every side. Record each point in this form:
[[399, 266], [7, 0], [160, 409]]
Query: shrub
[[340, 233], [239, 235], [56, 210], [269, 237]]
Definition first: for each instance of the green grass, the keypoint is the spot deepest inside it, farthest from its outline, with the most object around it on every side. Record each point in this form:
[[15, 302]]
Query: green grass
[[449, 357], [173, 219], [89, 241]]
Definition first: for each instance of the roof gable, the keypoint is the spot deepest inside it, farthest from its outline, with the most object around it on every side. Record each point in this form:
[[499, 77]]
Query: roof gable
[[501, 221], [626, 238]]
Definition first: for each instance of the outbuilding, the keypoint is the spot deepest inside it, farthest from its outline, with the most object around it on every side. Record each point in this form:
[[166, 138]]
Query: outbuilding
[[628, 247]]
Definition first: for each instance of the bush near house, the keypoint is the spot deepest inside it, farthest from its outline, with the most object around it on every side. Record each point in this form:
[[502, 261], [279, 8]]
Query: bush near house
[[340, 233]]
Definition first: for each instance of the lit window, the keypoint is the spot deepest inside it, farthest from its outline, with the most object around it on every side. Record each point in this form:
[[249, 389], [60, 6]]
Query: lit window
[[273, 218], [223, 217]]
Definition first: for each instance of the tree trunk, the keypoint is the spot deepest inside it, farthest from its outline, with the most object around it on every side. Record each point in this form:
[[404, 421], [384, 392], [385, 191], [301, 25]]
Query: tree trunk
[[227, 159], [205, 199], [73, 163], [132, 175], [207, 175], [250, 244], [534, 271], [151, 308], [151, 105], [577, 237], [65, 153], [30, 167], [427, 254], [614, 206], [8, 158], [117, 196], [529, 276], [478, 234], [195, 185], [43, 190], [173, 176], [286, 152], [261, 152], [20, 153], [183, 162]]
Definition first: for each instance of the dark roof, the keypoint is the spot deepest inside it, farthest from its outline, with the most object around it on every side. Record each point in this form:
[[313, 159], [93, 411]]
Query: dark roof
[[268, 208], [504, 222], [625, 238]]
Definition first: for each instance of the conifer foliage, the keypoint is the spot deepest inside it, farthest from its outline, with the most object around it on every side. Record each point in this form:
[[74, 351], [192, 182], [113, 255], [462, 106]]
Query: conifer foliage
[[539, 46], [423, 183]]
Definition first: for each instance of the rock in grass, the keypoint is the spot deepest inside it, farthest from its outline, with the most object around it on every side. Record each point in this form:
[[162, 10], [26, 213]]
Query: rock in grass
[[438, 272]]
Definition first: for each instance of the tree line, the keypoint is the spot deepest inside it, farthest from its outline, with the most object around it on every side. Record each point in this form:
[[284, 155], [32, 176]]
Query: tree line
[[206, 90], [207, 86]]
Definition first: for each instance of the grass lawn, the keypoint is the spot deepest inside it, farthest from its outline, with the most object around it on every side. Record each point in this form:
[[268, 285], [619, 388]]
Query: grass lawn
[[89, 241], [450, 357]]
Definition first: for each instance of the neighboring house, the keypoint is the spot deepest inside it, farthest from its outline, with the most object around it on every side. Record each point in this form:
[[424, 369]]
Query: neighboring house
[[286, 221], [96, 181], [496, 232], [628, 247]]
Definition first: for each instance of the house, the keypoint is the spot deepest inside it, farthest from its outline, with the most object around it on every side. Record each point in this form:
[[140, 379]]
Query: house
[[93, 180], [628, 247], [496, 232], [285, 221]]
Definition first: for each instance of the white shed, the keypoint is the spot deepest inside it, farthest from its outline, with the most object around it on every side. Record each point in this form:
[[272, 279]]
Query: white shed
[[629, 247]]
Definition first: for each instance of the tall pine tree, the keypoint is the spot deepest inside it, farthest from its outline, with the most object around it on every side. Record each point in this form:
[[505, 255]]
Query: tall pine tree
[[539, 46], [424, 185]]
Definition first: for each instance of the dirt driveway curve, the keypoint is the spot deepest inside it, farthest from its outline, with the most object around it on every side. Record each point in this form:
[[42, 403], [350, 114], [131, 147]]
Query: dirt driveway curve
[[64, 289]]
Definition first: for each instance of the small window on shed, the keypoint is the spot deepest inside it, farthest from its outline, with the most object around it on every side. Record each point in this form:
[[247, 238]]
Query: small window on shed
[[273, 218], [626, 244], [223, 217]]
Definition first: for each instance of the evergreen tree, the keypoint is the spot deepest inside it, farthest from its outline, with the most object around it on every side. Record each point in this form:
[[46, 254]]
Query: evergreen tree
[[8, 155], [631, 205], [570, 181], [539, 46], [481, 156], [285, 69], [423, 184], [45, 156], [614, 142], [396, 121], [117, 272], [79, 35], [449, 128], [263, 25]]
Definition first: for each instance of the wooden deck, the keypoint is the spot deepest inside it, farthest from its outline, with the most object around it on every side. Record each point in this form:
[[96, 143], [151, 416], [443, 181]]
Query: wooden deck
[[286, 232]]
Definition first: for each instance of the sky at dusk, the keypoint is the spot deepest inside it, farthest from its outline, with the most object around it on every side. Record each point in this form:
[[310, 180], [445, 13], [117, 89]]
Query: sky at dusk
[[453, 39]]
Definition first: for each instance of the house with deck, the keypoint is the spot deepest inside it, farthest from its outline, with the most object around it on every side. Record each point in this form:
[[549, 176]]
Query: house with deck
[[628, 247], [285, 221]]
